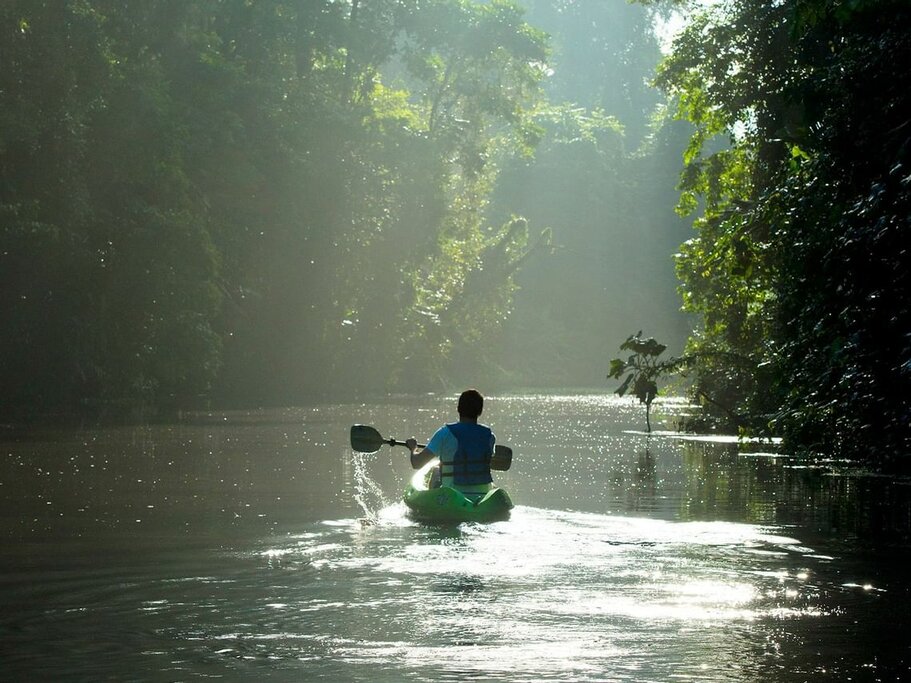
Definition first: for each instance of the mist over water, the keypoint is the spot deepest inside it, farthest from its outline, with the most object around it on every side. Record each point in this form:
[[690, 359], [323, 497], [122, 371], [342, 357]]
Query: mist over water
[[258, 546]]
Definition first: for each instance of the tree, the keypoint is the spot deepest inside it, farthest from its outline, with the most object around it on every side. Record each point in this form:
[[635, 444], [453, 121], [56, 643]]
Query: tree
[[233, 198], [110, 274], [475, 70], [602, 177], [644, 370], [799, 146]]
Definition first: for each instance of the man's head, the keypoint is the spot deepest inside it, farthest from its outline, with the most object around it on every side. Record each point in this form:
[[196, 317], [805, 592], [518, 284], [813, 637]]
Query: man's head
[[471, 404]]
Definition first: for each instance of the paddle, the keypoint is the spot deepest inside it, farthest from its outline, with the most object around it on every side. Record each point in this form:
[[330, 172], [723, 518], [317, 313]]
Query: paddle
[[366, 439]]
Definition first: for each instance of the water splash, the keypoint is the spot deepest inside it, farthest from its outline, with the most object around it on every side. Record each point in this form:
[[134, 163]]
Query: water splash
[[367, 493]]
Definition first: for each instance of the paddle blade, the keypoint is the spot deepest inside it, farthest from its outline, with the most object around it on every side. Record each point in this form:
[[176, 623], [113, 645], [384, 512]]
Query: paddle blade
[[365, 439], [501, 459]]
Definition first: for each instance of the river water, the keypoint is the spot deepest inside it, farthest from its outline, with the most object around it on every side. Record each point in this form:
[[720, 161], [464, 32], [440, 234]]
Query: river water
[[253, 546]]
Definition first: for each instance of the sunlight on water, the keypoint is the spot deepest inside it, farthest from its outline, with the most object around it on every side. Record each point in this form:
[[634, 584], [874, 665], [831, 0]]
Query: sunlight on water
[[268, 551], [547, 591], [367, 493]]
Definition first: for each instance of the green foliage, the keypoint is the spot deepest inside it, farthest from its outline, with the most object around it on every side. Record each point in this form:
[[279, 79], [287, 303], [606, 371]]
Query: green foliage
[[603, 177], [92, 164], [796, 166], [231, 198], [644, 368], [420, 285]]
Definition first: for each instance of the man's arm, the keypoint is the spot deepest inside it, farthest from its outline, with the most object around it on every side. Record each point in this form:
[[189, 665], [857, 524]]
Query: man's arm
[[419, 458]]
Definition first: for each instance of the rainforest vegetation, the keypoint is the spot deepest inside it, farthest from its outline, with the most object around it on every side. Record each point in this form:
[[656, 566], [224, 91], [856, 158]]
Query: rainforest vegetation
[[799, 173], [246, 202]]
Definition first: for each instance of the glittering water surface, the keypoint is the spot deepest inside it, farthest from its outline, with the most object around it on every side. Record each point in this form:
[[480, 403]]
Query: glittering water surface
[[257, 546]]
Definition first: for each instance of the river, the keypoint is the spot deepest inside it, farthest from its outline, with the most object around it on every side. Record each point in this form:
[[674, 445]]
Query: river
[[254, 546]]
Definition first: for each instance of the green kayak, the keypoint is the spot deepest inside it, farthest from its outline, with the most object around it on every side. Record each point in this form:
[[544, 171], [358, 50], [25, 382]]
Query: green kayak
[[446, 504]]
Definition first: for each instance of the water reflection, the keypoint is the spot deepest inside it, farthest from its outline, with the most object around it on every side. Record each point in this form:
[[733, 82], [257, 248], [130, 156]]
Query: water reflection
[[257, 546]]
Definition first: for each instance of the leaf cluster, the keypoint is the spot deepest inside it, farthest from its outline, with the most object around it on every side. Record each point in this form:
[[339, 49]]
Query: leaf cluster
[[643, 366]]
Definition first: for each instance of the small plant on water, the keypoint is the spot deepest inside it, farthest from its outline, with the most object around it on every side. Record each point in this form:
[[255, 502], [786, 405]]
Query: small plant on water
[[644, 370]]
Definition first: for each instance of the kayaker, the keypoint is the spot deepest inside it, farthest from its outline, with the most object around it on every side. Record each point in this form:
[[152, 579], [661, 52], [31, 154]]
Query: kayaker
[[464, 448]]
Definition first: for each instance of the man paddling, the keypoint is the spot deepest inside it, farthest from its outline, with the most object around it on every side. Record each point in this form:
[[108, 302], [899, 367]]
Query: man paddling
[[464, 448]]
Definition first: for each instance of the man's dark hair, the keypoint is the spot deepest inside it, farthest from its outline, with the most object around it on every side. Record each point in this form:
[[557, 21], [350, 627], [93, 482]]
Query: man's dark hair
[[471, 404]]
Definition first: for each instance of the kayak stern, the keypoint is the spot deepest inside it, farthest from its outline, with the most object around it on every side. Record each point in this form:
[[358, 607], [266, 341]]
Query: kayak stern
[[446, 504]]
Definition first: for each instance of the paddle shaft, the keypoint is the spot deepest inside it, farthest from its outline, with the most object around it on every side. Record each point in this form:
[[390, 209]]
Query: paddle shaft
[[393, 442], [366, 439]]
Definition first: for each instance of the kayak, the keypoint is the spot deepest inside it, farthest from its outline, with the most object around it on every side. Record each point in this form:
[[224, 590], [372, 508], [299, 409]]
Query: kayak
[[446, 504]]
